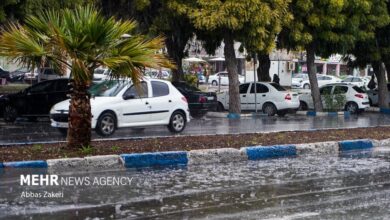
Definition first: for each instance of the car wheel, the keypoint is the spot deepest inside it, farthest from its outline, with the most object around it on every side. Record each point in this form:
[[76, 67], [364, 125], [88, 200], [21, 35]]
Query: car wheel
[[269, 109], [214, 83], [303, 106], [306, 86], [352, 107], [220, 107], [106, 124], [10, 114], [177, 123], [282, 113]]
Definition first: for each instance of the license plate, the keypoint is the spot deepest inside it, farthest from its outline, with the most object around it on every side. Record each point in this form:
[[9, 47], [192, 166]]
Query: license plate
[[210, 98]]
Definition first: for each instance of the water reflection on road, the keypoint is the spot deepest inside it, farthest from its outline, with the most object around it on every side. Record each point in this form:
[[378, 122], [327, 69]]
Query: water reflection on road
[[41, 131], [307, 187]]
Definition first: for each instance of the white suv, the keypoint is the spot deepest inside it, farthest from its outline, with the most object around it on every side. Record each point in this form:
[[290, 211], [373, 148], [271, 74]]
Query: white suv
[[119, 103], [355, 98]]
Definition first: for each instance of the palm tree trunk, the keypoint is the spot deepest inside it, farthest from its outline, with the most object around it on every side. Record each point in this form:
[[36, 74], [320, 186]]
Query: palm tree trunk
[[79, 132], [263, 69], [231, 63], [311, 68]]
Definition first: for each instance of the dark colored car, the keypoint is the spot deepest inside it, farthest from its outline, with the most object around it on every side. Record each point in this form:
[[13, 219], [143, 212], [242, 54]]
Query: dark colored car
[[34, 101], [18, 75], [199, 102], [4, 74]]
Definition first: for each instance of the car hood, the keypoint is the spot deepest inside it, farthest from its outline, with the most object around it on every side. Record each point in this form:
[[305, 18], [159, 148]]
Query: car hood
[[64, 105]]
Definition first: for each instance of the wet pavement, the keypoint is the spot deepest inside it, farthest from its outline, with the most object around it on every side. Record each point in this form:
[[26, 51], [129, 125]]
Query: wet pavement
[[24, 131], [356, 186]]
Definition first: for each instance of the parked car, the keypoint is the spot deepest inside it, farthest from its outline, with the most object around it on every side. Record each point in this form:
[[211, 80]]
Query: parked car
[[119, 103], [298, 78], [271, 98], [321, 79], [4, 74], [199, 102], [373, 95], [357, 81], [31, 76], [214, 79], [157, 74], [34, 101], [101, 74], [18, 75], [356, 99]]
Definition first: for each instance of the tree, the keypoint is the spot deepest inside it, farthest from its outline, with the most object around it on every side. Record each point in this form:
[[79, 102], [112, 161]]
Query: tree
[[326, 27], [81, 40], [253, 23], [157, 18]]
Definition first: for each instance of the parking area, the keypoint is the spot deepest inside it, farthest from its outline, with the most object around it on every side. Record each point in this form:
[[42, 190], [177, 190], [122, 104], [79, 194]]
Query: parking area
[[41, 131]]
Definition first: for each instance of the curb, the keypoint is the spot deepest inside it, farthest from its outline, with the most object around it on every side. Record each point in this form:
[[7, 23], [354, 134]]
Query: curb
[[26, 164], [196, 157], [385, 110], [154, 159], [330, 114], [268, 152]]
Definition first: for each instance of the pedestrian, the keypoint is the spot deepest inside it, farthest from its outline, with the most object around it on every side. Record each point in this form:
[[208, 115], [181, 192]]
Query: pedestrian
[[372, 84], [276, 79]]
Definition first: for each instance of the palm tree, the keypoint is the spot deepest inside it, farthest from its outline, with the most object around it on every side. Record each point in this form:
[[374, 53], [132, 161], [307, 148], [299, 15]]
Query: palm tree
[[81, 40]]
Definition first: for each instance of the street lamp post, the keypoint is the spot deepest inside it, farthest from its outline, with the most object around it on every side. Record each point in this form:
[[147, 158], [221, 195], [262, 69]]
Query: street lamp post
[[254, 79]]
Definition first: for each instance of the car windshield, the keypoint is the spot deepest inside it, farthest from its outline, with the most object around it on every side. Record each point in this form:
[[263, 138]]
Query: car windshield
[[108, 88], [277, 87]]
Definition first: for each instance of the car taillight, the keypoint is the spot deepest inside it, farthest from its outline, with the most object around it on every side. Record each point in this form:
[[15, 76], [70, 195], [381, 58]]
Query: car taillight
[[202, 99], [184, 99], [288, 97], [359, 95]]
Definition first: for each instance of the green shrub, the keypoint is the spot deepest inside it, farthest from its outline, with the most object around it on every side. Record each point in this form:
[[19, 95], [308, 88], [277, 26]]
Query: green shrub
[[190, 79], [334, 103]]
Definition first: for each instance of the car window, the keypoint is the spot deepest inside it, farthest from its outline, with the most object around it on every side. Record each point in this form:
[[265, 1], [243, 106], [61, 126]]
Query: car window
[[244, 88], [326, 90], [277, 87], [260, 88], [347, 80], [159, 89], [356, 80], [108, 88], [327, 78], [340, 90], [49, 72], [140, 91], [358, 89], [320, 78], [42, 87], [62, 85]]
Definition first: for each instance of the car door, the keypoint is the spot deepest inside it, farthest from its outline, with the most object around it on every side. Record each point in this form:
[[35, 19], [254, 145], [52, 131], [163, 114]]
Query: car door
[[325, 91], [224, 79], [244, 92], [262, 93], [37, 98], [161, 103], [59, 93], [135, 107]]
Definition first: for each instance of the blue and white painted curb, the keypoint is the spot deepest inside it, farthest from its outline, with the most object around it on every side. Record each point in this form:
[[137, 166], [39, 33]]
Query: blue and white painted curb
[[196, 157], [330, 114]]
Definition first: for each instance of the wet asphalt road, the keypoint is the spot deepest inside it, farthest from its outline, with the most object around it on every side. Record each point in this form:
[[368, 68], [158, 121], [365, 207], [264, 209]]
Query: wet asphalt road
[[23, 131], [307, 187]]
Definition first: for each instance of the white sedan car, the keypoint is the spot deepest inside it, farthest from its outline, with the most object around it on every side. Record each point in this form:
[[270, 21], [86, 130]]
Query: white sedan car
[[321, 79], [223, 77], [119, 103], [357, 81], [355, 98], [271, 98]]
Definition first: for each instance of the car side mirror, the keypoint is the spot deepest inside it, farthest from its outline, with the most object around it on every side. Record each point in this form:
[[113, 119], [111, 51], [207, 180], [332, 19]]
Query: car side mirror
[[129, 96]]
